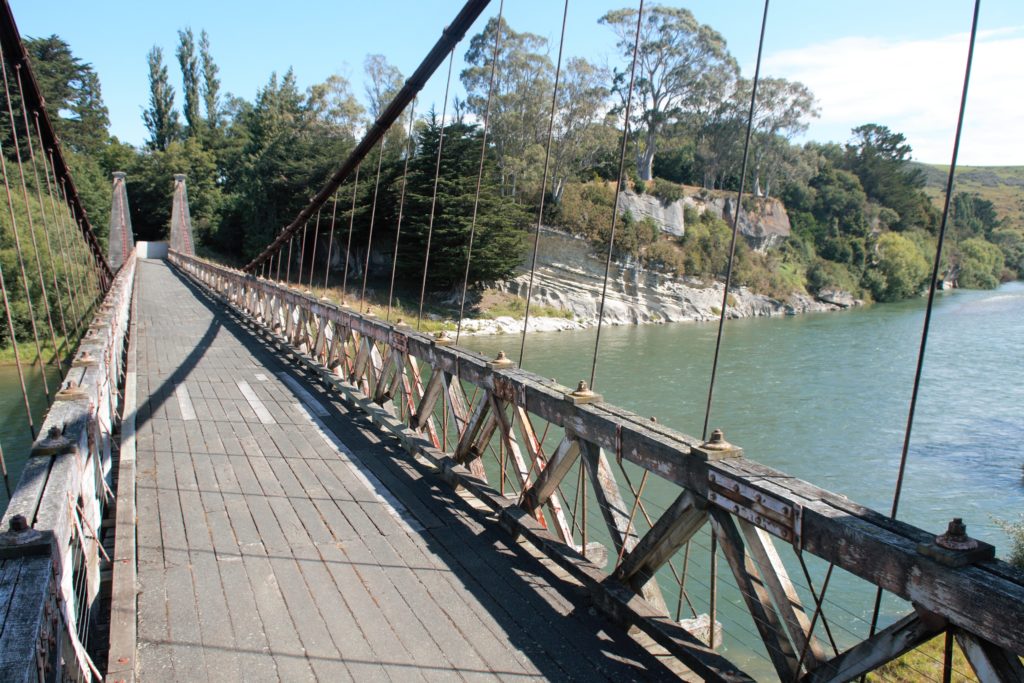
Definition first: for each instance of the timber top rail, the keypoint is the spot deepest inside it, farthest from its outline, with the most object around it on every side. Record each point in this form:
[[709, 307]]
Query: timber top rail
[[384, 368]]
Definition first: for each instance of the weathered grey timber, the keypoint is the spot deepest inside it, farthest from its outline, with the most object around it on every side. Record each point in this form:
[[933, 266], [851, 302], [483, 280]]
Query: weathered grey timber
[[50, 556], [375, 365], [280, 538]]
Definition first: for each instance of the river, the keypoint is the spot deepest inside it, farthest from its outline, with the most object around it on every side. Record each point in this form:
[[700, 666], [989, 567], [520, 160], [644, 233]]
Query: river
[[825, 397], [821, 396]]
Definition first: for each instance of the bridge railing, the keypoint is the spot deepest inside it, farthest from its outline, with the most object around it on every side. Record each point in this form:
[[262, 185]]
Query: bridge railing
[[454, 408], [50, 550]]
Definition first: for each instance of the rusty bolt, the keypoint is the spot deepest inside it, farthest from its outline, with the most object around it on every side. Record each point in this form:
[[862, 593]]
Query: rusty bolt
[[53, 432], [653, 419], [18, 523], [122, 660], [956, 537], [70, 384], [501, 356], [717, 442], [85, 354], [582, 387]]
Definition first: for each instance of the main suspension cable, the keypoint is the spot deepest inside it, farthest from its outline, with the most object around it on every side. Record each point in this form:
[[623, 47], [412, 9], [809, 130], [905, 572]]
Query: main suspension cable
[[433, 199], [480, 170], [618, 191], [932, 286], [543, 187], [735, 224]]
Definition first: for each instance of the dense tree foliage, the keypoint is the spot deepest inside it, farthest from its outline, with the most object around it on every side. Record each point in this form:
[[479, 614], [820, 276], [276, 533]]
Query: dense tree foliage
[[860, 219]]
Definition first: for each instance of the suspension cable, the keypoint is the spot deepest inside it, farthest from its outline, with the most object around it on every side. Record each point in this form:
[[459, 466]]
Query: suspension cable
[[348, 243], [288, 266], [480, 170], [618, 191], [543, 187], [46, 233], [373, 218], [931, 293], [735, 224], [410, 150], [17, 353], [302, 252], [31, 233], [312, 260], [433, 200], [59, 223], [21, 263], [67, 226], [330, 241]]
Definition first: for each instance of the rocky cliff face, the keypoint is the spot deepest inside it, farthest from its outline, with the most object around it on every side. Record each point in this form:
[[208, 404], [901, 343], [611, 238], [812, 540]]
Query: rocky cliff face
[[764, 225], [569, 277]]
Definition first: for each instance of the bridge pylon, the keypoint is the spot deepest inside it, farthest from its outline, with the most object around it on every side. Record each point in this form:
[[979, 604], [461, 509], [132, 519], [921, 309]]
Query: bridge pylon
[[181, 220], [121, 240]]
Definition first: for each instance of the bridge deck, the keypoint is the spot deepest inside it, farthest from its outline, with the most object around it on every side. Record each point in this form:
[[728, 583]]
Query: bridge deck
[[280, 539]]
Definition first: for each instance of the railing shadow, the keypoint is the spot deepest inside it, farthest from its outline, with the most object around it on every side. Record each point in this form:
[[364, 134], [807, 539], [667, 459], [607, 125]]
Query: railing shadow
[[553, 627]]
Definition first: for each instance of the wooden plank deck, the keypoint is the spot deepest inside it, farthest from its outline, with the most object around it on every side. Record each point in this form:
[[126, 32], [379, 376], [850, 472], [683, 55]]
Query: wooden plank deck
[[280, 538]]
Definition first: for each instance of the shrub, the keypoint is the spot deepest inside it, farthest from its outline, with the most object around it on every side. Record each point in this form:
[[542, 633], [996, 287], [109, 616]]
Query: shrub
[[667, 192], [1015, 530]]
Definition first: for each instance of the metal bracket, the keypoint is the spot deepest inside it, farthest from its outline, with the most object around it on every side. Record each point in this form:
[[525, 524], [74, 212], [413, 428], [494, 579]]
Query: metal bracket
[[778, 517]]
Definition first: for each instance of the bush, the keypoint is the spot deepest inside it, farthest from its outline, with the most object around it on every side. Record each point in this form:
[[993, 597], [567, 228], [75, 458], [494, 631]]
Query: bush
[[1015, 530], [666, 256], [900, 271], [981, 264], [667, 192], [586, 208]]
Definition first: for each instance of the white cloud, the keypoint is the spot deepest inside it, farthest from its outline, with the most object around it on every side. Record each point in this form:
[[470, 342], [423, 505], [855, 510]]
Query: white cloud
[[913, 87]]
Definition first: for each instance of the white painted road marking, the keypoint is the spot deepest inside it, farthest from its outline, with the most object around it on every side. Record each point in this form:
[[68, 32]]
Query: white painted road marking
[[304, 396], [256, 404], [392, 505], [188, 411]]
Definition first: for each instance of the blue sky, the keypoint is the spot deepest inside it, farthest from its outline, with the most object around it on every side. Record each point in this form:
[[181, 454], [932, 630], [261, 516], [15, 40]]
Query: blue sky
[[898, 63]]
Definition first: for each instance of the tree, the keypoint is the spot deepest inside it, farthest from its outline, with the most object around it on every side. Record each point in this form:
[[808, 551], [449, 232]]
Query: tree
[[680, 62], [901, 270], [161, 118], [498, 244], [285, 144], [520, 102], [880, 158], [581, 134], [211, 84], [191, 78], [781, 110], [333, 103], [384, 80], [72, 92]]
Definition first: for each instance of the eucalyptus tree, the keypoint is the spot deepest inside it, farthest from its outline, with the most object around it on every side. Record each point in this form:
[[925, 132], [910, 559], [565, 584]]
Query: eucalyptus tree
[[681, 64]]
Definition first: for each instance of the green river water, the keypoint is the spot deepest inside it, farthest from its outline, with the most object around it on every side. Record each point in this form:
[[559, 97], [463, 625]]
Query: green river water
[[823, 397]]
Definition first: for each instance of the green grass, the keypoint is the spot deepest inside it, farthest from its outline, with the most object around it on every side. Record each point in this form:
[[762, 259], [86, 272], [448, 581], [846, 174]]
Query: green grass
[[1001, 185], [27, 351], [515, 307], [925, 663]]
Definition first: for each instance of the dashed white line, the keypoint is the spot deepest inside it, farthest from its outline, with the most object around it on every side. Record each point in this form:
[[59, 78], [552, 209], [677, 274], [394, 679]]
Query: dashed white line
[[188, 411], [255, 403]]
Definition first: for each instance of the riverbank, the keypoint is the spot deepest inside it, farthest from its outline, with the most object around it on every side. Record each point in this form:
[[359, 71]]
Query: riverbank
[[568, 284]]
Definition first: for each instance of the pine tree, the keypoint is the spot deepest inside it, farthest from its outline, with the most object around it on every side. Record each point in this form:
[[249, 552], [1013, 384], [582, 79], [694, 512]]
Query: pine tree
[[161, 118]]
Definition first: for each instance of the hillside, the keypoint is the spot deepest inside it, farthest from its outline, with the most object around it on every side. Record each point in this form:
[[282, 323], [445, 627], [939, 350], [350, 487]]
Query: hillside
[[1001, 185]]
